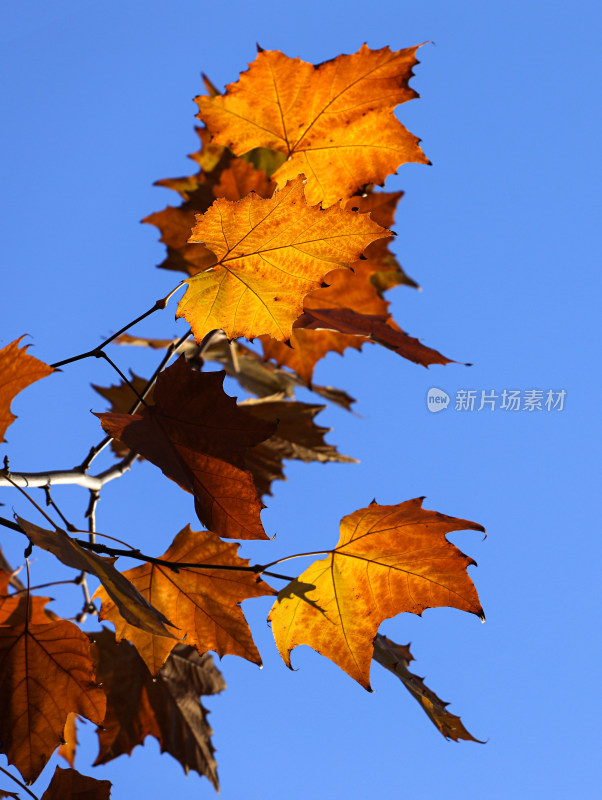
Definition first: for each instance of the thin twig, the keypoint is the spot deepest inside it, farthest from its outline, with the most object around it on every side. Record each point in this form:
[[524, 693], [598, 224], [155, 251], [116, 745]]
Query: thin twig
[[158, 306], [74, 581], [18, 782], [50, 502], [171, 350], [96, 547], [102, 354]]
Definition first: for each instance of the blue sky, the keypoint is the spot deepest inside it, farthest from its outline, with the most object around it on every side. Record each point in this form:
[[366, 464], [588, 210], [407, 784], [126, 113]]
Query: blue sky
[[501, 234]]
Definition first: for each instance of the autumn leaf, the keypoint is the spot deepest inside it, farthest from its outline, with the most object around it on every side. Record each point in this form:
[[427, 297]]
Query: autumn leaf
[[45, 674], [396, 658], [334, 122], [297, 437], [69, 746], [68, 784], [221, 175], [130, 602], [350, 310], [378, 328], [17, 371], [203, 603], [270, 254], [347, 313], [389, 559], [166, 707], [197, 435]]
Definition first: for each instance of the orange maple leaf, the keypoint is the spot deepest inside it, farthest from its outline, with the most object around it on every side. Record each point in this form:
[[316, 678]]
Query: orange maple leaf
[[197, 435], [203, 603], [388, 559], [270, 254], [334, 122], [17, 371], [45, 673], [166, 707]]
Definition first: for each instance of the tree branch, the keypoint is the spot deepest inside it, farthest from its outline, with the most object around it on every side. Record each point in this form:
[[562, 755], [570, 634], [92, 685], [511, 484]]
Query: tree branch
[[69, 477], [96, 351]]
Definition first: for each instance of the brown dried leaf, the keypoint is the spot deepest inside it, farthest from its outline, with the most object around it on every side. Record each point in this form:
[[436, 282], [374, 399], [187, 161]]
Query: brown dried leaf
[[167, 707], [68, 784], [297, 437], [197, 435], [396, 658], [130, 602]]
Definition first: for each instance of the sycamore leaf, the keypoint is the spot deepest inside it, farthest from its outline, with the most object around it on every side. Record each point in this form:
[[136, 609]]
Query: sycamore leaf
[[6, 793], [203, 603], [17, 371], [389, 559], [68, 784], [45, 674], [70, 742], [135, 608], [166, 707], [221, 175], [351, 310], [197, 435], [270, 254], [396, 658], [254, 374], [334, 122], [297, 437]]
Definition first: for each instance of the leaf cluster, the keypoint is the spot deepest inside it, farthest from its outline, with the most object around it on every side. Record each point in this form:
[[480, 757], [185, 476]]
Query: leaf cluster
[[283, 237]]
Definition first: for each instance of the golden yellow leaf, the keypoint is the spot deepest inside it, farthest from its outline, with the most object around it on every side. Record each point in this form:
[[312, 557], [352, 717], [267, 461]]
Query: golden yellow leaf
[[334, 122], [388, 559], [270, 254]]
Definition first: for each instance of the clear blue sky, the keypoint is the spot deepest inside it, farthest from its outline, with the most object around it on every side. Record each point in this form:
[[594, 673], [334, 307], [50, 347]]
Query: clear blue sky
[[500, 232]]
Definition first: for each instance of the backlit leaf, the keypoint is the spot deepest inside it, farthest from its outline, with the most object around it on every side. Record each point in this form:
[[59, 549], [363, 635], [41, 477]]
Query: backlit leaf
[[389, 559], [334, 122], [270, 254], [17, 371], [203, 603], [68, 748], [45, 674]]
